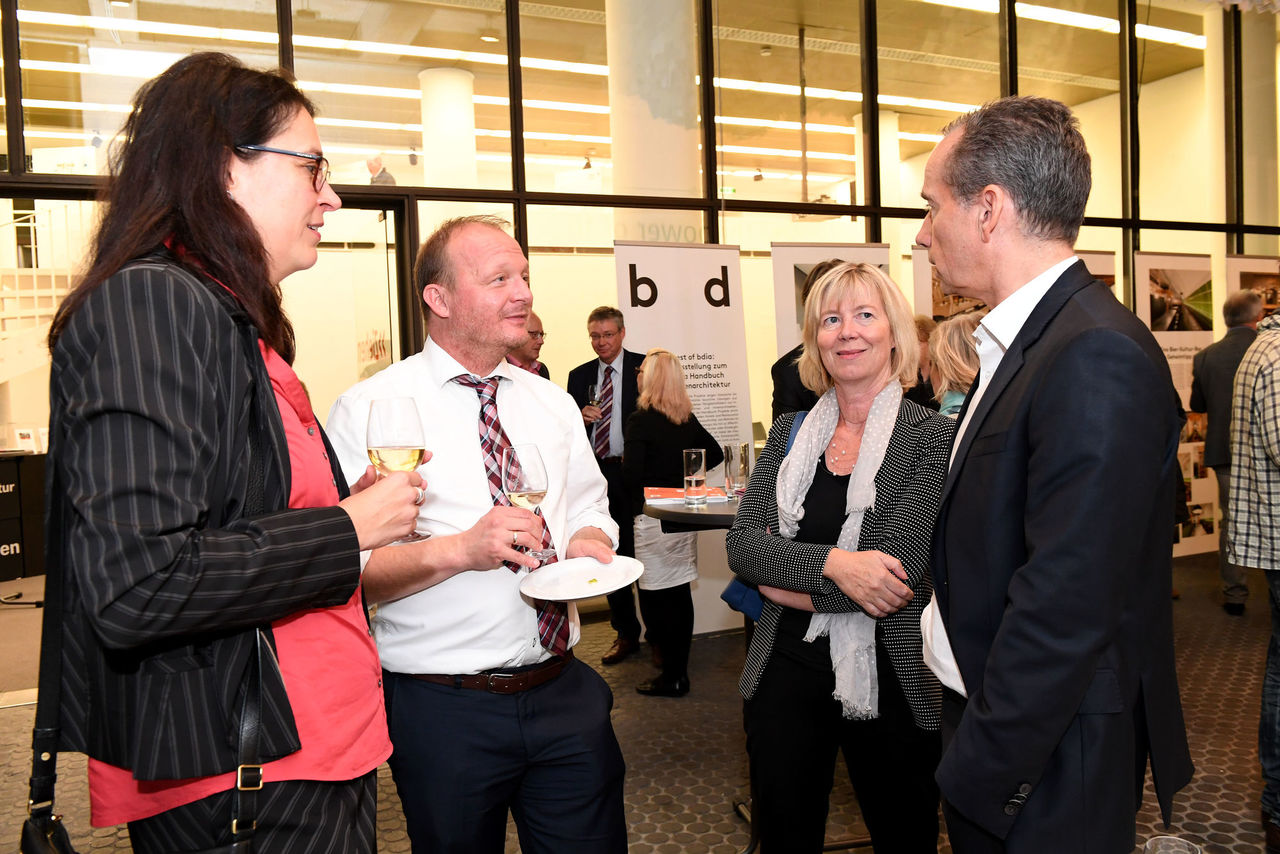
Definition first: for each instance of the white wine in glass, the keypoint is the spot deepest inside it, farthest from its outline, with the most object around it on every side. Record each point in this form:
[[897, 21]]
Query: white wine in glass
[[593, 395], [524, 479], [395, 440]]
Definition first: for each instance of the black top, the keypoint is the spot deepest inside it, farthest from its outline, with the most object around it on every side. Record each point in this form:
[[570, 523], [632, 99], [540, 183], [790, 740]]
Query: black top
[[824, 516], [652, 452]]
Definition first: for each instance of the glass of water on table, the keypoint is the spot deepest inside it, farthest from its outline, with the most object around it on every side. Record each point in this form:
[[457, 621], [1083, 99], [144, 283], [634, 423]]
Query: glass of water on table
[[396, 441]]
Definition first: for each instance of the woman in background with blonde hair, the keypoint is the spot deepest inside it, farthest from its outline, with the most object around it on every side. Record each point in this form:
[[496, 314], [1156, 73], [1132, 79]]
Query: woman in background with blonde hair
[[954, 360], [657, 434]]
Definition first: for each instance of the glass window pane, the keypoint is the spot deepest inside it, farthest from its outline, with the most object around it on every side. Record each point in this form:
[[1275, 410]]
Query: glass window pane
[[937, 61], [343, 308], [1064, 54], [1180, 116], [1258, 64], [82, 62], [774, 140], [419, 89], [611, 102], [42, 243]]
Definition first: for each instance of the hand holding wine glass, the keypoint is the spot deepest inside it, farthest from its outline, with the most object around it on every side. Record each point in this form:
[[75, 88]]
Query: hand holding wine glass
[[395, 439], [524, 479]]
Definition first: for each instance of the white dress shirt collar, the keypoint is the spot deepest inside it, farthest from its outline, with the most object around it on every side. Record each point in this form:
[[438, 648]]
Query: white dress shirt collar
[[1006, 320], [442, 367]]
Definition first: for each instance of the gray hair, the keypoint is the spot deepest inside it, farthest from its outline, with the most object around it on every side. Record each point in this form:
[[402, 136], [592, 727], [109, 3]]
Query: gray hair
[[1242, 307], [1033, 149]]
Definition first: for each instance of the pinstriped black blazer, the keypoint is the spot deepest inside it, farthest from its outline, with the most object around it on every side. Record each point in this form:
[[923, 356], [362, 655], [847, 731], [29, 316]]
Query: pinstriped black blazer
[[908, 488], [159, 400]]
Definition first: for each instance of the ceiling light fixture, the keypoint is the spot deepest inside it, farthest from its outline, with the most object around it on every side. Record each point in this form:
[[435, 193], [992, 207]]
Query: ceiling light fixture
[[1034, 12], [489, 35]]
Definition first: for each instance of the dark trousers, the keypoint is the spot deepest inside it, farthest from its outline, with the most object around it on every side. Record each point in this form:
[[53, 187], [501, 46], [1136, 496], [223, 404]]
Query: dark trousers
[[794, 728], [463, 758], [622, 604], [294, 817], [965, 836], [668, 620], [1269, 722]]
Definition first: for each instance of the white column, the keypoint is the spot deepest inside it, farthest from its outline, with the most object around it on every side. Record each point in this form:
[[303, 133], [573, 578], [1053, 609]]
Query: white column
[[653, 107], [448, 127]]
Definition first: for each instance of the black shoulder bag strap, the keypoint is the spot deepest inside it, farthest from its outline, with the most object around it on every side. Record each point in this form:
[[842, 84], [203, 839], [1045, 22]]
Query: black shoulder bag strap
[[43, 831]]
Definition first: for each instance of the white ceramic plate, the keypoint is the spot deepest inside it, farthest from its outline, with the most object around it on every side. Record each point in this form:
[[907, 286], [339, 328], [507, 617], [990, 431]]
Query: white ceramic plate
[[580, 578]]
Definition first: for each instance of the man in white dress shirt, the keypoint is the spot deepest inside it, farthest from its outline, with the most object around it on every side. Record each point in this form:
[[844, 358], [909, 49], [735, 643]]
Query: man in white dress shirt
[[1051, 627], [487, 708]]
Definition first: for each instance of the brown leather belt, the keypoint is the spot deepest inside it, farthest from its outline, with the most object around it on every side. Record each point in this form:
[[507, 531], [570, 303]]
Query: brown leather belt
[[501, 682]]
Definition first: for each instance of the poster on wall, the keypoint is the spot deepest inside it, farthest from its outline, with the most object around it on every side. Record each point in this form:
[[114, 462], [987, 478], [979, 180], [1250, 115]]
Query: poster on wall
[[791, 265], [1101, 265], [687, 298], [1260, 273], [1173, 296], [932, 297]]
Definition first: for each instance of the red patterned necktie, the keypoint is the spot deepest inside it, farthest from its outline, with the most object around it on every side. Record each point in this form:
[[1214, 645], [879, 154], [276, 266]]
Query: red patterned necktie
[[601, 440], [553, 617]]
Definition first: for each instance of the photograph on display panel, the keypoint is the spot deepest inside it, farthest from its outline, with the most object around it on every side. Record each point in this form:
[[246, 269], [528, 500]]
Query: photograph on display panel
[[1181, 300]]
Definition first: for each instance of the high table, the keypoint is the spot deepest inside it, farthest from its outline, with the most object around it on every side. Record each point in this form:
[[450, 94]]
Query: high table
[[678, 519]]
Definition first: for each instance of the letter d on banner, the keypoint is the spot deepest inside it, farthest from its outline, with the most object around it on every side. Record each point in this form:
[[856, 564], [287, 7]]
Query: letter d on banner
[[700, 320]]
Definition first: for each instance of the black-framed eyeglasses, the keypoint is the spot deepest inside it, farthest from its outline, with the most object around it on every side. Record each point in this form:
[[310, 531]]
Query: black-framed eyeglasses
[[319, 167]]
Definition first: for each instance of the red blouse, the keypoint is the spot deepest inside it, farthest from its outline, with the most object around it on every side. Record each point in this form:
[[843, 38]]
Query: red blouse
[[327, 656]]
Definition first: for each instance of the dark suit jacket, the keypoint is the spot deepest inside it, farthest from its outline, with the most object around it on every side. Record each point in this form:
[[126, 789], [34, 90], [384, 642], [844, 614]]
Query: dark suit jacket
[[1052, 569], [899, 523], [1213, 372], [164, 434], [585, 375], [789, 394]]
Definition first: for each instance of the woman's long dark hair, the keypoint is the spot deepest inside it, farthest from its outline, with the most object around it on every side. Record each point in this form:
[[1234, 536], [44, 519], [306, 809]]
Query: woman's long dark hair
[[168, 175]]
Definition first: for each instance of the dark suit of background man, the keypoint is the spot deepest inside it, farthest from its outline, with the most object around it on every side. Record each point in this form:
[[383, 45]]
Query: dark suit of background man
[[1052, 551], [789, 394], [1212, 373], [608, 329]]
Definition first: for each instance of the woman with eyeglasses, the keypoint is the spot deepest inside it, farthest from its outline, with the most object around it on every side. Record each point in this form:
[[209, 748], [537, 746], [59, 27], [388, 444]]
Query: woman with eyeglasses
[[207, 546]]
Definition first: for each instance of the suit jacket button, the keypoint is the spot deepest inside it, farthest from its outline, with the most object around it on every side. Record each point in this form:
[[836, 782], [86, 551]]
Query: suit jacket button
[[1010, 809], [1024, 789]]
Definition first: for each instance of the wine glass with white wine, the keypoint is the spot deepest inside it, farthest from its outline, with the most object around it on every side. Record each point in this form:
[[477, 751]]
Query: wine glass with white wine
[[395, 440], [524, 479]]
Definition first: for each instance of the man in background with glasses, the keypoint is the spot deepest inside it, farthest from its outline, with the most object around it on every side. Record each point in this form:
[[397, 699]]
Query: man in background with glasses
[[526, 355], [612, 377]]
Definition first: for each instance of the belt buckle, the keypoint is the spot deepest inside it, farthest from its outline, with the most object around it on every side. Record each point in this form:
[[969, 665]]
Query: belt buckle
[[489, 684]]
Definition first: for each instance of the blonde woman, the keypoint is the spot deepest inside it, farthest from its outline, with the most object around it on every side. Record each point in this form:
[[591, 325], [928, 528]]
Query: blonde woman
[[954, 360], [835, 530], [657, 433]]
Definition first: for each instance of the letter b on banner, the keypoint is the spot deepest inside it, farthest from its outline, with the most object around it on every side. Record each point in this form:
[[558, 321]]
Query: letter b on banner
[[641, 281]]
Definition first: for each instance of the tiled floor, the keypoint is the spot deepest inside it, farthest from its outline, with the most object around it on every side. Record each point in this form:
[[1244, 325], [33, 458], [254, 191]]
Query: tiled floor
[[685, 757]]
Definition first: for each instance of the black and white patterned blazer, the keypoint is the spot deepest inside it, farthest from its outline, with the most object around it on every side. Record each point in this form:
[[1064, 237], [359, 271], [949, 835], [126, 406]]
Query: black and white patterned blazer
[[908, 488], [163, 432]]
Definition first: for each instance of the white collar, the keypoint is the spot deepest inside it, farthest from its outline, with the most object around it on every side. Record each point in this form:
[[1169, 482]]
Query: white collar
[[1005, 321], [442, 367]]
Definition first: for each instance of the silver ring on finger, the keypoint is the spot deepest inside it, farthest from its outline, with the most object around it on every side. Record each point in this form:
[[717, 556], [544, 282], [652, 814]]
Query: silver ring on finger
[[514, 535], [422, 495]]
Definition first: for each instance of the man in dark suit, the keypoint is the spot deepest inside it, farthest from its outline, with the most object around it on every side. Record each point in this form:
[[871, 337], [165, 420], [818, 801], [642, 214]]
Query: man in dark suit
[[1213, 371], [1051, 627], [613, 375]]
